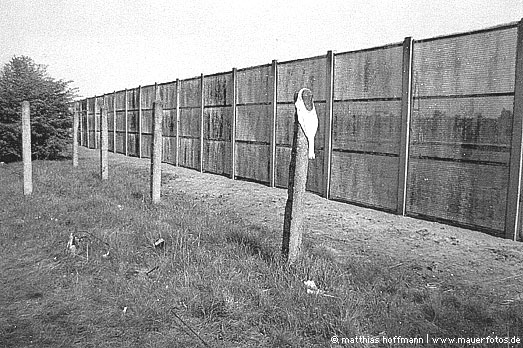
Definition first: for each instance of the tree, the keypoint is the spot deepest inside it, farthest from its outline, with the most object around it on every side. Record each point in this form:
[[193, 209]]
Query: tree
[[22, 79]]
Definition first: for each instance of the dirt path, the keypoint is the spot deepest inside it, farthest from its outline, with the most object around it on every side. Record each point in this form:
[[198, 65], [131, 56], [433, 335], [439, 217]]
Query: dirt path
[[437, 252]]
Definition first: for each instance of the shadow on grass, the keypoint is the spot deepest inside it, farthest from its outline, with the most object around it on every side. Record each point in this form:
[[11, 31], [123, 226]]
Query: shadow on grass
[[253, 242]]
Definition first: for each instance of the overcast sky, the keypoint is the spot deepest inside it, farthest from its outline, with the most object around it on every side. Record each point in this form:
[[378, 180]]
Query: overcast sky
[[107, 45]]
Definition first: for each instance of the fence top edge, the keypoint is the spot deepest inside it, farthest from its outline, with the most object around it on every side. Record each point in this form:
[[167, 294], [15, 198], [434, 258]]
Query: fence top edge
[[500, 27], [302, 59], [224, 73], [254, 67], [376, 48]]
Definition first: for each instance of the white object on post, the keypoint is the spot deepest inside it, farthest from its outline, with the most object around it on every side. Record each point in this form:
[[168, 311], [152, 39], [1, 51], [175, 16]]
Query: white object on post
[[307, 116]]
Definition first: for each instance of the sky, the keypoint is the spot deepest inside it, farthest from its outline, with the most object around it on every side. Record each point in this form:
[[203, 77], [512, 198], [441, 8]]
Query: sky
[[108, 45]]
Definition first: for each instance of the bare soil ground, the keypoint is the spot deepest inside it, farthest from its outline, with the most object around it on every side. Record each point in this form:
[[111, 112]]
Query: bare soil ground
[[441, 254]]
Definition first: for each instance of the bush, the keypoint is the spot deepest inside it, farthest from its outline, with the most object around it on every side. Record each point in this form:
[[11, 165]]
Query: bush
[[22, 79]]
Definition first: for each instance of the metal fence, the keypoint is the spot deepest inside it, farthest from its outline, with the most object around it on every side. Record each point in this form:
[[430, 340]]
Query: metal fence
[[428, 128]]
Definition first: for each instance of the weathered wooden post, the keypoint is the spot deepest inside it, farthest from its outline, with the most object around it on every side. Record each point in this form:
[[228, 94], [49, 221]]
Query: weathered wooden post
[[75, 135], [26, 148], [305, 127], [104, 144], [156, 157]]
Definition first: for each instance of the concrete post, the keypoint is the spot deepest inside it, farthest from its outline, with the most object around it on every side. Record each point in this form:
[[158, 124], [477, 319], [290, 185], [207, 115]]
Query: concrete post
[[26, 148], [156, 157], [305, 127]]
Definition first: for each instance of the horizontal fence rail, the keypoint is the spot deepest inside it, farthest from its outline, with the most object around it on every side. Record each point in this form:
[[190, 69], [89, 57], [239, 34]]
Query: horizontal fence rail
[[426, 128]]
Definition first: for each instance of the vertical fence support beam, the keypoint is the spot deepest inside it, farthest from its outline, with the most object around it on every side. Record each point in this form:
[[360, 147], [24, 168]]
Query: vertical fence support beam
[[156, 156], [26, 148], [406, 109], [273, 94], [104, 143], [81, 122], [233, 121], [75, 135], [126, 124], [513, 209], [329, 106], [114, 122], [96, 124], [139, 140], [87, 122], [177, 154], [201, 121]]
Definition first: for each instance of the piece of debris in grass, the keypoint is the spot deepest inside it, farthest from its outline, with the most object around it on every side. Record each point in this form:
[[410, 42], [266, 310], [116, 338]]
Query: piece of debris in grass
[[72, 244], [124, 310], [159, 244], [313, 289], [142, 272], [106, 255]]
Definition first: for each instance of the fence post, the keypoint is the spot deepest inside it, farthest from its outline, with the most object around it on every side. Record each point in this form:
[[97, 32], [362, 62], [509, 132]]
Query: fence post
[[26, 148], [81, 121], [114, 122], [139, 140], [273, 94], [201, 121], [406, 109], [177, 154], [96, 125], [293, 218], [104, 143], [87, 122], [75, 135], [233, 121], [513, 208], [126, 124], [327, 146], [156, 156]]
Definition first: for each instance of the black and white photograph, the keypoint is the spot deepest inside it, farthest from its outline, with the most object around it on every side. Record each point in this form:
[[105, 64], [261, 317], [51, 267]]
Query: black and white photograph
[[261, 173]]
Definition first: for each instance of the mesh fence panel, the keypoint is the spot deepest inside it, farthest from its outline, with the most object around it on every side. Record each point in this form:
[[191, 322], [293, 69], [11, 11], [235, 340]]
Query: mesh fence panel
[[217, 97], [461, 127], [147, 97], [120, 100], [294, 75], [253, 119], [190, 110], [217, 90], [190, 92], [91, 123], [132, 122], [467, 64], [252, 141], [368, 74], [254, 85], [168, 95], [366, 126], [217, 139], [119, 125], [83, 120]]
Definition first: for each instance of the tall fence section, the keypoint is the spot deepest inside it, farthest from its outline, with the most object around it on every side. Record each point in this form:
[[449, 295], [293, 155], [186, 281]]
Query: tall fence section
[[427, 128]]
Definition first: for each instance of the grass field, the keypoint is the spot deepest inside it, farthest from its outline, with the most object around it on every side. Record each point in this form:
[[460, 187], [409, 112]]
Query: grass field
[[217, 282]]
